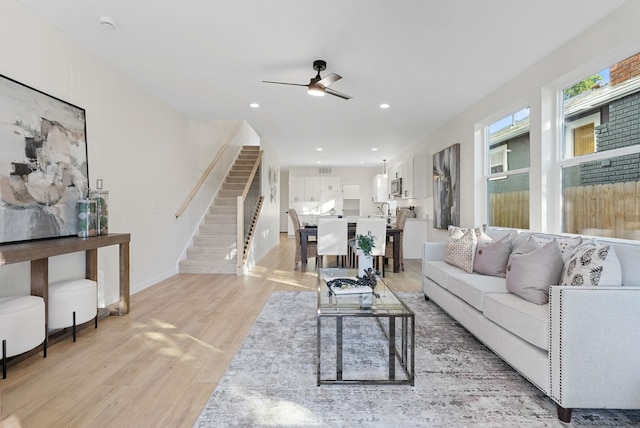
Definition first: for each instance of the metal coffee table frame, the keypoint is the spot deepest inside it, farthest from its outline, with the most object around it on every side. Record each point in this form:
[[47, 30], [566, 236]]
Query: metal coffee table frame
[[388, 306]]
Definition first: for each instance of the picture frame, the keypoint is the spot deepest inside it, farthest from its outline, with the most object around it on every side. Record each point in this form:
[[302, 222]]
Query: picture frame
[[43, 163], [446, 187]]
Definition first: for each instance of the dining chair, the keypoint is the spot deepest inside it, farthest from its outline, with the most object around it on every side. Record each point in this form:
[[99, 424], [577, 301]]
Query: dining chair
[[312, 248], [378, 229], [332, 238], [401, 220]]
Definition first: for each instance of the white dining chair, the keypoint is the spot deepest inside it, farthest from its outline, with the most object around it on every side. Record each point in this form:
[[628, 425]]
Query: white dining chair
[[332, 238], [378, 229]]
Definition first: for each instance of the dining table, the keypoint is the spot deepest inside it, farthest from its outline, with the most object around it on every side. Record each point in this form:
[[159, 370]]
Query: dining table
[[310, 231]]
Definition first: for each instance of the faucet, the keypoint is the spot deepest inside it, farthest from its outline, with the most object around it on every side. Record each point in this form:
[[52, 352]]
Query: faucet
[[388, 208]]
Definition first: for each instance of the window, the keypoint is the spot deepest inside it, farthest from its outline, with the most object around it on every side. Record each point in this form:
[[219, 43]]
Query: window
[[601, 153], [507, 173], [498, 159]]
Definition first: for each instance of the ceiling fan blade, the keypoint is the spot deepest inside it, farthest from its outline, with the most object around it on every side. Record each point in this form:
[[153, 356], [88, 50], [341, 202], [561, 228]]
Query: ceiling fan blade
[[328, 80], [283, 83], [337, 94]]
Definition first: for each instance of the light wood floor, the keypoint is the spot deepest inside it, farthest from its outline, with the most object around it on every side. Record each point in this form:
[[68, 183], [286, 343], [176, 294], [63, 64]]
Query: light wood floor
[[157, 366]]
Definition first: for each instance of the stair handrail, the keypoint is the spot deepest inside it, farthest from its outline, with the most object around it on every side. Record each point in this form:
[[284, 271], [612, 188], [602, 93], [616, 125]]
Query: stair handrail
[[247, 186], [206, 173]]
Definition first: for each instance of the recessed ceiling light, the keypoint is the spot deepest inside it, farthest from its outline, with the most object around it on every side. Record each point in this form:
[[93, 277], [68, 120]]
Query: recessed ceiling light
[[375, 149], [254, 105], [384, 105], [107, 23], [319, 149], [319, 162], [361, 161]]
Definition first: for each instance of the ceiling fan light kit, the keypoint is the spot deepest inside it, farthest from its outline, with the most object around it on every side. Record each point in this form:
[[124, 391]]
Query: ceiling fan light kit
[[318, 85], [316, 91]]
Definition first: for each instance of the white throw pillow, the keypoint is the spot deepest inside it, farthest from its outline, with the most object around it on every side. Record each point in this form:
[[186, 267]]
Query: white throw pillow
[[592, 264], [461, 248]]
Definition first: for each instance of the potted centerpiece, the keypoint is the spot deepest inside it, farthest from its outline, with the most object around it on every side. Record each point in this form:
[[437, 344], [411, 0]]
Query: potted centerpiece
[[365, 244]]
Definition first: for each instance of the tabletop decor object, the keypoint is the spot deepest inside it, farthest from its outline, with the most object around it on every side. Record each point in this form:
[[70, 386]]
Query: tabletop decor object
[[101, 197], [365, 244], [87, 221]]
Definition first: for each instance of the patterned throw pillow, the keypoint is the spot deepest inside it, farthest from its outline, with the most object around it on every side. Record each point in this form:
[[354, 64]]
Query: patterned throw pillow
[[592, 264], [461, 248], [567, 245]]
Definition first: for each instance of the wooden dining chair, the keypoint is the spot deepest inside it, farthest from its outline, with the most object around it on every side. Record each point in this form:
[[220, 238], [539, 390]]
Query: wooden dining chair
[[378, 228], [312, 247], [332, 238]]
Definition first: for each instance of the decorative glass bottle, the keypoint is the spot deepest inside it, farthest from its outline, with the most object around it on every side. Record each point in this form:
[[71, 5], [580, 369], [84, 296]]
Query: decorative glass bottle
[[102, 204], [86, 211]]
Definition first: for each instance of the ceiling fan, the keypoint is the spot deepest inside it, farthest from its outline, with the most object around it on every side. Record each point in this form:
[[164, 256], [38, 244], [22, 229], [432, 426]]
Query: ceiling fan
[[319, 86]]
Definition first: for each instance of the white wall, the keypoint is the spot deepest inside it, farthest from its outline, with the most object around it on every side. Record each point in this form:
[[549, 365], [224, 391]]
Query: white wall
[[148, 155], [615, 37]]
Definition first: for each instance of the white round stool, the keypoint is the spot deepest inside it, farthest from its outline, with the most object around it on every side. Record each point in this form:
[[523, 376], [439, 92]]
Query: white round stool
[[22, 326], [71, 303]]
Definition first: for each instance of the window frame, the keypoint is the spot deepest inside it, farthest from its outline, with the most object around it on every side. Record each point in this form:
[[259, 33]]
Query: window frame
[[488, 176]]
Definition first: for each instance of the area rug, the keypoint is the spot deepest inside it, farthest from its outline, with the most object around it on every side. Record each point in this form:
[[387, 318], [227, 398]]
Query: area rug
[[271, 381]]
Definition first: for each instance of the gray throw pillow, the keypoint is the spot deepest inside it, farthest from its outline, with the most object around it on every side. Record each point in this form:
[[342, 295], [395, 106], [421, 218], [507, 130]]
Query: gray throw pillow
[[492, 256], [529, 274]]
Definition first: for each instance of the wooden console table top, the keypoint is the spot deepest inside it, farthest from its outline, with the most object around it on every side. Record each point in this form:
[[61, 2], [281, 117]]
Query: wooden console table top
[[34, 250], [38, 253]]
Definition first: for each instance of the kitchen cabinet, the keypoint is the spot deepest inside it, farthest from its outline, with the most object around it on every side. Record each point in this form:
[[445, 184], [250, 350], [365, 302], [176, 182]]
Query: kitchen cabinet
[[304, 189], [296, 190], [414, 177], [312, 189], [379, 188], [350, 191], [414, 235], [329, 184]]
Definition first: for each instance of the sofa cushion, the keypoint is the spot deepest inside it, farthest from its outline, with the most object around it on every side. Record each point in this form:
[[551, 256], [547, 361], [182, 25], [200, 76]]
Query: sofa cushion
[[472, 287], [529, 274], [492, 256], [498, 233], [439, 271], [526, 320], [461, 248], [567, 245], [592, 264]]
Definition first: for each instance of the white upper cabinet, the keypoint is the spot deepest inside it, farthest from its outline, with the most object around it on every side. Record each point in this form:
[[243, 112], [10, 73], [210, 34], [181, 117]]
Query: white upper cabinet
[[330, 184], [312, 189], [351, 191], [379, 188], [415, 171], [414, 177]]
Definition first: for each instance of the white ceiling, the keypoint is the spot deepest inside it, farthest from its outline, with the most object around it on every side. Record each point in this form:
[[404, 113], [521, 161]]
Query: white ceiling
[[429, 59]]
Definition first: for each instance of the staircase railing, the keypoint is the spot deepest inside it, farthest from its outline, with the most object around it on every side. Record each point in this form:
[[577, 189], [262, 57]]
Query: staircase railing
[[206, 173], [246, 204], [251, 229]]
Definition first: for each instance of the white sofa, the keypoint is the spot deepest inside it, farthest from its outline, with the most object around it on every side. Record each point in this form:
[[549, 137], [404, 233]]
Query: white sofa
[[581, 349]]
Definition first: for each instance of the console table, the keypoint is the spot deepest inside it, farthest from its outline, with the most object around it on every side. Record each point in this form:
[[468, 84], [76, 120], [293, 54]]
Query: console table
[[38, 252]]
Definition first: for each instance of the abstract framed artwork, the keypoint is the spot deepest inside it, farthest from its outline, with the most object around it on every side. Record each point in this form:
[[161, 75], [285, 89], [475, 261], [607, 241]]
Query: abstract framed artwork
[[446, 187], [43, 163]]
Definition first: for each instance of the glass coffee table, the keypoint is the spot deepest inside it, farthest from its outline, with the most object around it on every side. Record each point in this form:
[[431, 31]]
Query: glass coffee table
[[346, 313]]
